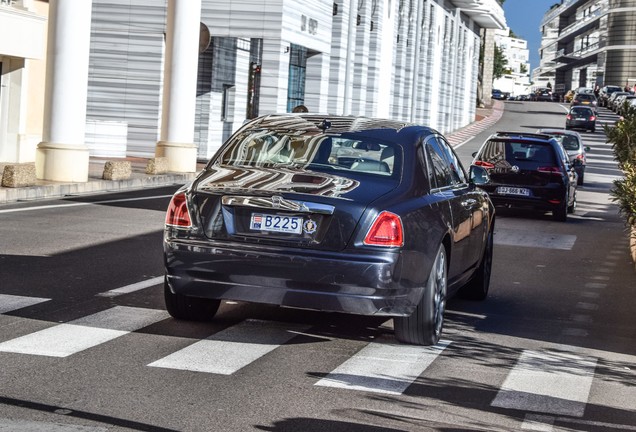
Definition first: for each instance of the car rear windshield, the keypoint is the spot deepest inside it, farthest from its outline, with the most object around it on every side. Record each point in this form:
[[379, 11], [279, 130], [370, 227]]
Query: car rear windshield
[[345, 152], [582, 112], [524, 154]]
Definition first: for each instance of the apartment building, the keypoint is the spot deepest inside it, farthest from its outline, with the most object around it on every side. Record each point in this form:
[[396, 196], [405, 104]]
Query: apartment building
[[587, 43], [515, 50], [412, 60]]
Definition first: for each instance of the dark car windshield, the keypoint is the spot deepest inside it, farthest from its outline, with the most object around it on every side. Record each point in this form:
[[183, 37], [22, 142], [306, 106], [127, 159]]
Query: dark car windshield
[[569, 142], [346, 152], [582, 112]]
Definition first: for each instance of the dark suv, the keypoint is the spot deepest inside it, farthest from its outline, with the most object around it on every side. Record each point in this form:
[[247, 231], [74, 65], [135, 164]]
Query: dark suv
[[528, 170]]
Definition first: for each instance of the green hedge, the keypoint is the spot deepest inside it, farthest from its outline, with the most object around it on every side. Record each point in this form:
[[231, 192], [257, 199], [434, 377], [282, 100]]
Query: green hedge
[[622, 136]]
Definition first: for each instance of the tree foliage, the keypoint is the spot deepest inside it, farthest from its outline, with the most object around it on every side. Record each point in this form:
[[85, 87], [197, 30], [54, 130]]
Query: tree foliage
[[622, 136], [499, 63]]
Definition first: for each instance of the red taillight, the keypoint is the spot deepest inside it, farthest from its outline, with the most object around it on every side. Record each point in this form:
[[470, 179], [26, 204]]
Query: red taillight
[[484, 164], [592, 118], [178, 214], [569, 117], [549, 169], [385, 231]]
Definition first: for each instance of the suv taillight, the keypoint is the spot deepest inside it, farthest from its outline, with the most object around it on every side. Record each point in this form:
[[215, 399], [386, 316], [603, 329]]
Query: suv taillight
[[386, 231], [549, 169], [177, 214]]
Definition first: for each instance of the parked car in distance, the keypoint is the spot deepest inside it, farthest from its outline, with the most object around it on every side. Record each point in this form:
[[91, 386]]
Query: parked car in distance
[[391, 225], [498, 94], [624, 103], [581, 117], [584, 99], [528, 171], [606, 92], [611, 102], [543, 94], [573, 145]]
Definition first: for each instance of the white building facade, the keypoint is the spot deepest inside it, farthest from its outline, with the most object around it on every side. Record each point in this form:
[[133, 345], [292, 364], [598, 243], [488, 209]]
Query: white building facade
[[517, 82], [411, 60]]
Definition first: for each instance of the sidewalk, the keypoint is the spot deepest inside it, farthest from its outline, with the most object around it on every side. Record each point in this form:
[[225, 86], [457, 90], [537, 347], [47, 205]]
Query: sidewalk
[[43, 189]]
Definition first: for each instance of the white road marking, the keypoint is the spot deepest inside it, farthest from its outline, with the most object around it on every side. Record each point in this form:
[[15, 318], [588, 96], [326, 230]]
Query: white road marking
[[548, 382], [534, 239], [542, 423], [132, 287], [8, 425], [81, 204], [65, 339], [231, 349], [383, 368], [10, 303]]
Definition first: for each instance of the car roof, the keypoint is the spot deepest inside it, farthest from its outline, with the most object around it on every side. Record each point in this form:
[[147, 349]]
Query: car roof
[[518, 135], [559, 132], [581, 108], [332, 123]]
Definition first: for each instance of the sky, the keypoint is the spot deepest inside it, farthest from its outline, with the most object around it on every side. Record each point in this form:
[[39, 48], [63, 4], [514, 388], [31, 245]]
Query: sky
[[524, 19]]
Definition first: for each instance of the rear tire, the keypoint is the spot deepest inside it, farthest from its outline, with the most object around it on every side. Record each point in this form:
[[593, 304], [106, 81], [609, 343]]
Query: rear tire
[[560, 214], [189, 308], [477, 287], [424, 325]]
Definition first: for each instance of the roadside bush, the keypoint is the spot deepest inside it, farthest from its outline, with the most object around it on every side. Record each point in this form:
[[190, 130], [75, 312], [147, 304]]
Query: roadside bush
[[622, 136]]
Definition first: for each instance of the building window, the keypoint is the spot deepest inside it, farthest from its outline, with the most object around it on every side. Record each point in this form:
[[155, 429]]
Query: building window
[[297, 74], [335, 8]]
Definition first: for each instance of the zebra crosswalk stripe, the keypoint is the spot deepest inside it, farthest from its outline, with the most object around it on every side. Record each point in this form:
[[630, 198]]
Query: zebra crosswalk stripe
[[63, 340], [10, 303], [383, 368], [548, 382], [231, 349]]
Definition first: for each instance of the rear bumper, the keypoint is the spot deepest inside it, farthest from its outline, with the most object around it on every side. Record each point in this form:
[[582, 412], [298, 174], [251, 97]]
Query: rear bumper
[[336, 282]]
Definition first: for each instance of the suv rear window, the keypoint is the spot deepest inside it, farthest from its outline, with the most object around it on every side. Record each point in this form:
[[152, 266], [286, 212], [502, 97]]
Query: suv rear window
[[526, 155]]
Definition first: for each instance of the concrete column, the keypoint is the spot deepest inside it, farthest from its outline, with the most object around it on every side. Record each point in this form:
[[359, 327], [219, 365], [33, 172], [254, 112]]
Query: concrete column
[[62, 155], [489, 63], [180, 85]]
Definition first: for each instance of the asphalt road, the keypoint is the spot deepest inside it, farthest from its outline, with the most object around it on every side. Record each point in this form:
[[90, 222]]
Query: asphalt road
[[86, 344]]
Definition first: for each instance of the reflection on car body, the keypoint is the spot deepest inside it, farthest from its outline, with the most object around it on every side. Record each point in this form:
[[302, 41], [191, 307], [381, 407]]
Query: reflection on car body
[[341, 214]]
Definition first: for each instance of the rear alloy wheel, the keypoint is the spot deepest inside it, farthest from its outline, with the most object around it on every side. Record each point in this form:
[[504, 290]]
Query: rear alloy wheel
[[477, 287], [572, 207], [189, 308], [424, 325]]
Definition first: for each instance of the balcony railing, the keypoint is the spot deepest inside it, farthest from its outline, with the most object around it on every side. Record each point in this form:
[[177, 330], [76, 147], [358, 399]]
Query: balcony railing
[[557, 10], [582, 52], [583, 22]]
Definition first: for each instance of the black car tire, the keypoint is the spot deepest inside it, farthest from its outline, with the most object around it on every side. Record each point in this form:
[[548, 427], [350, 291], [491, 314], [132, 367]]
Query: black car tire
[[560, 213], [477, 287], [424, 325], [189, 308]]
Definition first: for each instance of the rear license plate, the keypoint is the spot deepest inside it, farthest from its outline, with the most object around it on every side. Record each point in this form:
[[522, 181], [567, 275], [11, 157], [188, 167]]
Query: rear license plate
[[504, 190], [276, 223]]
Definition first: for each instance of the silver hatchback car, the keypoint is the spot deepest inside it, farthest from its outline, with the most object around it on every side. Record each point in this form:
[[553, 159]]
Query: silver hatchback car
[[573, 145]]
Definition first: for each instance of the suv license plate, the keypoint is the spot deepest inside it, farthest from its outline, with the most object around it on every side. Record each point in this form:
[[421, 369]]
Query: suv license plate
[[504, 190], [276, 223]]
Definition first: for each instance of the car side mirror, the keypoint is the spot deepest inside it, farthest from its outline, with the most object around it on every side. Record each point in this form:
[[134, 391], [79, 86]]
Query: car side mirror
[[587, 148], [478, 175], [474, 154]]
